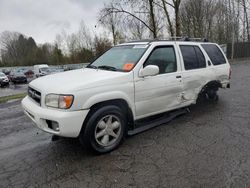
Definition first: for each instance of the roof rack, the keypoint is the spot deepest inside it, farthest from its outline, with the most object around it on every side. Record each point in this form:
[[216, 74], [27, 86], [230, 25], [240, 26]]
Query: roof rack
[[173, 38], [188, 39], [143, 40]]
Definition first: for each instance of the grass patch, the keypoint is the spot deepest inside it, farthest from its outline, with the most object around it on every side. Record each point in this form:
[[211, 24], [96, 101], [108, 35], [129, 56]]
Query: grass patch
[[12, 97]]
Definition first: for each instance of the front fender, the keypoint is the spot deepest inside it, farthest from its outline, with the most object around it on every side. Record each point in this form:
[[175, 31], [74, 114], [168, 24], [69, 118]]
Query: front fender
[[102, 97]]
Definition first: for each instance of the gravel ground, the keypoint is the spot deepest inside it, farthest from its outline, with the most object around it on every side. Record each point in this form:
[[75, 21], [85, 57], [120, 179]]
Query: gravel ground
[[209, 147]]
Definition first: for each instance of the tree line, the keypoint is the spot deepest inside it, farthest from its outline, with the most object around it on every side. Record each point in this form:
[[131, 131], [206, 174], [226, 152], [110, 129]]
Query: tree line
[[19, 50], [221, 21]]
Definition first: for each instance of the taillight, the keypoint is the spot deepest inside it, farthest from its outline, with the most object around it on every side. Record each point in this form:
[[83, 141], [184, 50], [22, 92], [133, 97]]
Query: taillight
[[230, 73]]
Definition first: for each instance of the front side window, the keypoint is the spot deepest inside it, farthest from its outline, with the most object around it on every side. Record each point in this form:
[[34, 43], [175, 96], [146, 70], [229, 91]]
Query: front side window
[[193, 57], [120, 58], [214, 54], [164, 58]]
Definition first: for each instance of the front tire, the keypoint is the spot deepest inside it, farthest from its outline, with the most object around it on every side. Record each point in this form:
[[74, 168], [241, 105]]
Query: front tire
[[104, 129]]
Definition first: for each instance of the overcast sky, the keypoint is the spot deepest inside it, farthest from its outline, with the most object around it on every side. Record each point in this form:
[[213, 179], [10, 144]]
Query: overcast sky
[[43, 19]]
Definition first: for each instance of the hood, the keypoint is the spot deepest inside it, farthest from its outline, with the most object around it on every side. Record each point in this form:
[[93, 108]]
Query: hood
[[3, 77], [75, 80]]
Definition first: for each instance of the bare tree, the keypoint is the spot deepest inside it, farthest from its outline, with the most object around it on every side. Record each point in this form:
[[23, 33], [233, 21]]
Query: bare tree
[[9, 48], [101, 45], [85, 39], [246, 4], [136, 29], [169, 22], [129, 8], [110, 21]]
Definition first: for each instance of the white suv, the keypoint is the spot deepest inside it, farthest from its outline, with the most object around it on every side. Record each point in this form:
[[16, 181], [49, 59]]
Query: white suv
[[127, 90]]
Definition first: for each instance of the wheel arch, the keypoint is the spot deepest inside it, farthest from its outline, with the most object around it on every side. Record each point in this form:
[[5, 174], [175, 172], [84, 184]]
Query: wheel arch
[[212, 84], [215, 84], [119, 102]]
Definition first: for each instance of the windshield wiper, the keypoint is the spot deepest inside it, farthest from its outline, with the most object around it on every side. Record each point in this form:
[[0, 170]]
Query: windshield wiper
[[106, 67], [92, 66]]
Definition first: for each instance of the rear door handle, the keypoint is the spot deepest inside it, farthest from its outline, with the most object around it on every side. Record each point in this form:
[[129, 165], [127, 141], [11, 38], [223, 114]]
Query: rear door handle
[[178, 76]]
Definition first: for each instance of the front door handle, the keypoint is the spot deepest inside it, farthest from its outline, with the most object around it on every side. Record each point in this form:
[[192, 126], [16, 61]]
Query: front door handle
[[178, 76]]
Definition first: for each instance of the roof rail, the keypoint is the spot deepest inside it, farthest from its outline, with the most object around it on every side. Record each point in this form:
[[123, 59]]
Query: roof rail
[[143, 40], [173, 38], [188, 39]]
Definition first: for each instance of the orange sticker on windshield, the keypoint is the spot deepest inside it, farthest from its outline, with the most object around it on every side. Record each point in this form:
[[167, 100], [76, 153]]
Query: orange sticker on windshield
[[128, 66]]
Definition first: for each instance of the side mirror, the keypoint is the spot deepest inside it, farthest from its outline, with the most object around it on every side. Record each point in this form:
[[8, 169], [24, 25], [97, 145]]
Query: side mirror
[[150, 70]]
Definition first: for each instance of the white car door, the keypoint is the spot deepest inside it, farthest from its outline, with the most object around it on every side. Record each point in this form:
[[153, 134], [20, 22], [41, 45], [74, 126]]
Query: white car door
[[196, 71], [160, 93]]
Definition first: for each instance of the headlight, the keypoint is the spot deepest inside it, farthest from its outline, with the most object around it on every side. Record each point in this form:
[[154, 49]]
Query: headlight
[[59, 101]]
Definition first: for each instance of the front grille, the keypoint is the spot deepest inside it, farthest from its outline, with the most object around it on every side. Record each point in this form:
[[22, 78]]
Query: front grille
[[35, 95]]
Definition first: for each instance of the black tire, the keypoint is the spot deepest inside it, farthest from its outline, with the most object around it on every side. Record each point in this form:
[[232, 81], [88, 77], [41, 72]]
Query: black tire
[[212, 95], [88, 134]]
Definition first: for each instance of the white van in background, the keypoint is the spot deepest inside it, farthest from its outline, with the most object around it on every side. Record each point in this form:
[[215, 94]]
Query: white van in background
[[41, 70]]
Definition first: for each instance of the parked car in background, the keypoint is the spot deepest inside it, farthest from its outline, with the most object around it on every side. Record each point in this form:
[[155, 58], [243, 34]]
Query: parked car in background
[[74, 66], [41, 70], [3, 80], [54, 70], [6, 71], [17, 77], [29, 73]]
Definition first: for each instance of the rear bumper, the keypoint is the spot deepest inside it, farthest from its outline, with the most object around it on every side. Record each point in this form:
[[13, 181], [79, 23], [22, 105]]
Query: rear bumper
[[19, 80], [69, 122], [225, 85]]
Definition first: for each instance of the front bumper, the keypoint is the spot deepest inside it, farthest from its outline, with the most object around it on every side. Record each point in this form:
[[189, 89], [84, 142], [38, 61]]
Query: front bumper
[[69, 122], [4, 83]]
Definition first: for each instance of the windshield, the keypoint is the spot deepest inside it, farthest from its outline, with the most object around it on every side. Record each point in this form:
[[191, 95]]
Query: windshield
[[20, 71], [45, 69], [120, 58], [2, 74]]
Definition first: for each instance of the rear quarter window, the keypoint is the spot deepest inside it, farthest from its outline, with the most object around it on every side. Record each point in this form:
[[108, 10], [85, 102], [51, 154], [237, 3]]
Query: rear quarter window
[[214, 54], [193, 57]]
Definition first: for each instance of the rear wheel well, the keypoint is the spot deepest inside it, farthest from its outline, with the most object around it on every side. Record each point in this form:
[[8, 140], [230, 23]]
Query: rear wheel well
[[212, 85], [121, 103], [215, 85]]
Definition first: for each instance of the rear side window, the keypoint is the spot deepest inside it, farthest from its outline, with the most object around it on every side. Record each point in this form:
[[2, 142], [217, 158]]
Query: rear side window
[[193, 57], [214, 54], [200, 57]]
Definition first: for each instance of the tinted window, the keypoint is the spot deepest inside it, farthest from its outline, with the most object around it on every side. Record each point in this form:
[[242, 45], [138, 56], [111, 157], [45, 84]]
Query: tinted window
[[164, 58], [214, 54], [189, 57], [200, 57], [193, 57]]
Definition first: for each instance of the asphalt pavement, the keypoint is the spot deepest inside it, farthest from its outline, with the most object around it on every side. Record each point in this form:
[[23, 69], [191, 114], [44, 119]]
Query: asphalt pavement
[[209, 147], [13, 89]]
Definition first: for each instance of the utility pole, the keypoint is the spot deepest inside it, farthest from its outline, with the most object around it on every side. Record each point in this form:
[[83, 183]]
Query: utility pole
[[232, 50]]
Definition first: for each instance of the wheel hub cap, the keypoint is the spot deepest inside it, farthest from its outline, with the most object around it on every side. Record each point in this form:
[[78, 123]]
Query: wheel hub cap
[[108, 130]]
